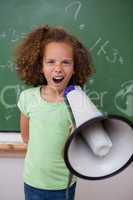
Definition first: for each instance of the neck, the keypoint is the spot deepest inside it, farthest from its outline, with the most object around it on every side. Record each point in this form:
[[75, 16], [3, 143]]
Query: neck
[[53, 91], [52, 95]]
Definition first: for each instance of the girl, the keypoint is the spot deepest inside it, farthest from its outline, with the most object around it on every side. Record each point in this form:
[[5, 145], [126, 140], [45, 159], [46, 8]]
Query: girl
[[49, 59]]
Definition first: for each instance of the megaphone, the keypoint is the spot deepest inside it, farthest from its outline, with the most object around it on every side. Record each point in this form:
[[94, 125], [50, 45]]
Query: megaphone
[[100, 146]]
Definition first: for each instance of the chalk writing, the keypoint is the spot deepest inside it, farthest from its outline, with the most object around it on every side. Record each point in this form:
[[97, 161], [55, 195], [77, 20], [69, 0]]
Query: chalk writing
[[8, 114], [78, 6], [3, 35], [12, 35], [10, 107], [95, 96], [104, 49], [123, 99], [9, 65], [125, 95], [15, 89]]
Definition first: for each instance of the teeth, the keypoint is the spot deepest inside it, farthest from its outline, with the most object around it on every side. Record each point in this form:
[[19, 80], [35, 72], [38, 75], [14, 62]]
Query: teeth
[[58, 77]]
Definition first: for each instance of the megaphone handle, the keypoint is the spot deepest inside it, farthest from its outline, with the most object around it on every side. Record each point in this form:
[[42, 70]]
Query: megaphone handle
[[68, 185], [70, 111]]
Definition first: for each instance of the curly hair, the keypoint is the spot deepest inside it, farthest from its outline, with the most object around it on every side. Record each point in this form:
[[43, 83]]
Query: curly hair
[[29, 56]]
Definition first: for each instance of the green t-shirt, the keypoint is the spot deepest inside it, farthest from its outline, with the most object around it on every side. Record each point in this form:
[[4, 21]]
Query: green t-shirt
[[48, 131]]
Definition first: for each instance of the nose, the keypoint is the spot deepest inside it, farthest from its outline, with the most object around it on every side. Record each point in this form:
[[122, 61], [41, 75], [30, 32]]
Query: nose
[[58, 67]]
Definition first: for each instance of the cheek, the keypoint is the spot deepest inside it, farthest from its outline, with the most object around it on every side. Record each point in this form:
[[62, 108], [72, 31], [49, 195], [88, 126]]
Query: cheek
[[45, 70], [71, 72], [45, 73]]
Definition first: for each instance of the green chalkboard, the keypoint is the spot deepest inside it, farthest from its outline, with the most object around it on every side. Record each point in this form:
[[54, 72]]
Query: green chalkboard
[[105, 27]]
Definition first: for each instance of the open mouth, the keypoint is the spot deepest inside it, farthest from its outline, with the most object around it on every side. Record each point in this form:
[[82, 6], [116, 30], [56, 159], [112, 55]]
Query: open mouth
[[58, 79]]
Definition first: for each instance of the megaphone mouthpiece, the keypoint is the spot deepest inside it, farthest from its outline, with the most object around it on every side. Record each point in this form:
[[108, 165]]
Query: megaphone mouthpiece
[[97, 139]]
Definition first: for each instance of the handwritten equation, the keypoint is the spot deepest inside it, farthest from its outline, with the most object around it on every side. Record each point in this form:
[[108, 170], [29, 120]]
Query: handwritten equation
[[10, 66], [103, 47], [11, 34]]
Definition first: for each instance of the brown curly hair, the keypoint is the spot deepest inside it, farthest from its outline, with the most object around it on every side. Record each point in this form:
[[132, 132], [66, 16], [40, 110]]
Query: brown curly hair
[[29, 56]]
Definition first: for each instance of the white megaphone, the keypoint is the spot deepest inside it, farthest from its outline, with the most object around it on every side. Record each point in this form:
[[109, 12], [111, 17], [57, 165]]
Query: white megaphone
[[100, 146]]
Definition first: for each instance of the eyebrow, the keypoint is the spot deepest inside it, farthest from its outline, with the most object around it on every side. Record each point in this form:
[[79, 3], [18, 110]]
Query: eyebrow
[[68, 59]]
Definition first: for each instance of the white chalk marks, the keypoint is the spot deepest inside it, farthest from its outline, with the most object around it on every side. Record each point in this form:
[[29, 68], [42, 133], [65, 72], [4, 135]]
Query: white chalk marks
[[9, 65], [101, 45], [97, 97], [75, 7], [111, 54], [124, 98], [7, 104], [15, 89], [11, 34]]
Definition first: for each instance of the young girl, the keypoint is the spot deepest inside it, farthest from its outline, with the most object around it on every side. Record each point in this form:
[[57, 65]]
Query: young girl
[[49, 59]]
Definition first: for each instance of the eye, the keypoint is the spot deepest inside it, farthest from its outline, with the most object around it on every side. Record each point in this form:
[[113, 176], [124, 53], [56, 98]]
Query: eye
[[50, 62], [67, 62]]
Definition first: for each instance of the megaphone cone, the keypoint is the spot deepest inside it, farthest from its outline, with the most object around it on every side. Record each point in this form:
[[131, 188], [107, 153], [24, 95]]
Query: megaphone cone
[[100, 146]]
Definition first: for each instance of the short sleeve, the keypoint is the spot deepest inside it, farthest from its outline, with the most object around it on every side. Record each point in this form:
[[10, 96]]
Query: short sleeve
[[22, 103]]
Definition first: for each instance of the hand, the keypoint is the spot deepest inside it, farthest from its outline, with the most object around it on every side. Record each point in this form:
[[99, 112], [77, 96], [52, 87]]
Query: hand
[[71, 128]]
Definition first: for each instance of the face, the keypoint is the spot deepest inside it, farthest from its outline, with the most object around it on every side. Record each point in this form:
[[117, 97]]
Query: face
[[58, 64]]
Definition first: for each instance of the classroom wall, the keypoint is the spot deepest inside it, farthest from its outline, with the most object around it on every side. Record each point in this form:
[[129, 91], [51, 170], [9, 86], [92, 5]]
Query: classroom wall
[[11, 184], [117, 187]]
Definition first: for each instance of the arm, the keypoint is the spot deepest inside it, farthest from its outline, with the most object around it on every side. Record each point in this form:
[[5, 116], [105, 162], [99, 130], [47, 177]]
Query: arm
[[24, 127]]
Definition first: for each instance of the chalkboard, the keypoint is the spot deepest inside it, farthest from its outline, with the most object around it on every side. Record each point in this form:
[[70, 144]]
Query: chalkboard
[[105, 27]]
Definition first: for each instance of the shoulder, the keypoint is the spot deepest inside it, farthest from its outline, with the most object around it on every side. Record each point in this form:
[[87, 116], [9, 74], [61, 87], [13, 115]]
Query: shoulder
[[29, 94], [28, 98], [30, 91]]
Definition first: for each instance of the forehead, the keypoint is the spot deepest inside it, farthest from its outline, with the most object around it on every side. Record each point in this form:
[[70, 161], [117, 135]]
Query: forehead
[[58, 48]]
